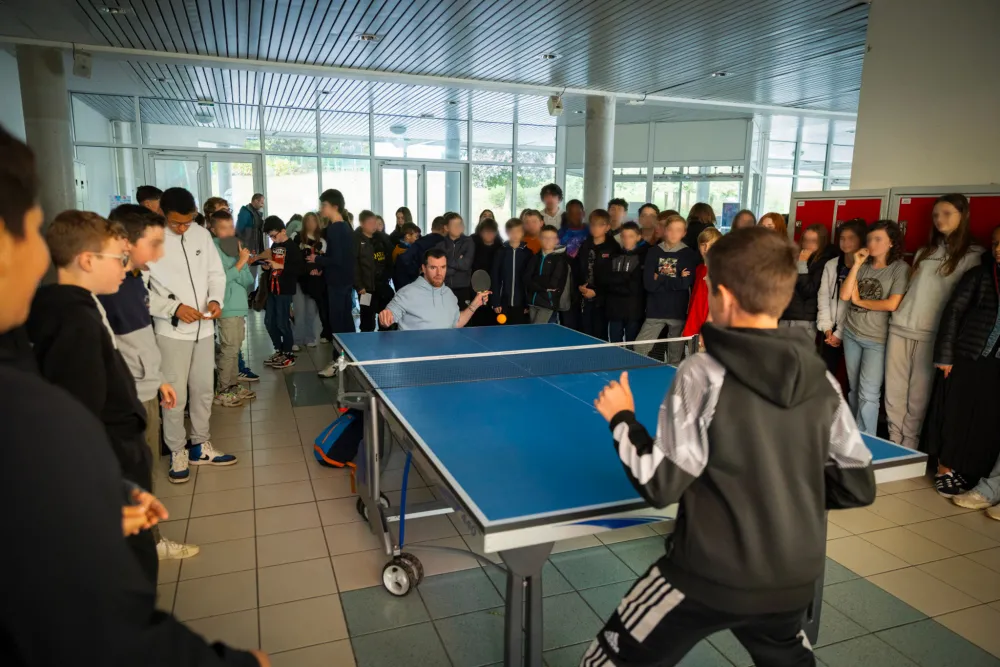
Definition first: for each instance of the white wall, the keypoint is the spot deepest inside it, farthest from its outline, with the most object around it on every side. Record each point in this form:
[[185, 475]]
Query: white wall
[[690, 142], [11, 113], [929, 112]]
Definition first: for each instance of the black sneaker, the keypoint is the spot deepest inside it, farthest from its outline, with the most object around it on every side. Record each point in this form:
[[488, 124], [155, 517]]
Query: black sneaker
[[951, 484]]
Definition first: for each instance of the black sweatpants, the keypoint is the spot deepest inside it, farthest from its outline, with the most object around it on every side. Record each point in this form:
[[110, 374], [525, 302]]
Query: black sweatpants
[[656, 626], [136, 462]]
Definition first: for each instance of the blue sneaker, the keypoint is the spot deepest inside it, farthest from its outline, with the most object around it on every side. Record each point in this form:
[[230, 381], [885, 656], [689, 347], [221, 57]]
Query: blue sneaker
[[249, 376], [179, 472], [205, 454]]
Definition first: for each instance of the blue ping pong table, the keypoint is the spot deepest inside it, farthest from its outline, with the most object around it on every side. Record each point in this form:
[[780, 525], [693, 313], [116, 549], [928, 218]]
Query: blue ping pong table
[[515, 446]]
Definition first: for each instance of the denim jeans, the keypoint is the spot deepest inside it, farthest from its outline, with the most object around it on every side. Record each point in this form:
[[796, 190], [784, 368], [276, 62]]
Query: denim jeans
[[990, 486], [865, 361], [278, 321]]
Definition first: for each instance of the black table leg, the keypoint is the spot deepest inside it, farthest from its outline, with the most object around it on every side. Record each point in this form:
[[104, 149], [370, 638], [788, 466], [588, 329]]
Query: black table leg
[[523, 614]]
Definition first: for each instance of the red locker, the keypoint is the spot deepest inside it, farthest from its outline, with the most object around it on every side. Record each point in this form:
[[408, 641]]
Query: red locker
[[811, 211], [984, 216], [913, 208], [868, 209], [832, 207], [916, 221]]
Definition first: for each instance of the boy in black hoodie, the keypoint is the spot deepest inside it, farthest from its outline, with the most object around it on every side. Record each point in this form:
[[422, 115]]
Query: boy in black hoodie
[[626, 302], [749, 546], [593, 273], [284, 265], [76, 348], [545, 278], [373, 269], [509, 297]]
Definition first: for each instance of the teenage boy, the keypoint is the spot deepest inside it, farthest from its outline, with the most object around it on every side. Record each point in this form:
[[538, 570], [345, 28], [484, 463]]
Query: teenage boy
[[187, 292], [533, 224], [507, 276], [283, 266], [128, 313], [149, 196], [617, 210], [408, 235], [593, 273], [232, 323], [552, 196], [668, 277], [770, 390], [625, 306], [461, 252], [545, 278], [337, 262], [372, 269], [90, 256], [647, 223]]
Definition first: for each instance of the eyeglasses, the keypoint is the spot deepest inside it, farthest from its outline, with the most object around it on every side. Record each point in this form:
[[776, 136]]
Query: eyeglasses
[[121, 258]]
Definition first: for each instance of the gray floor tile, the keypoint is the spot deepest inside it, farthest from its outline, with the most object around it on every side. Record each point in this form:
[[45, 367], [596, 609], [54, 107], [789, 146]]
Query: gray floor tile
[[866, 651], [281, 473], [338, 510], [291, 547], [930, 644], [220, 527], [212, 596], [589, 568], [239, 630], [270, 457], [333, 654], [165, 594], [704, 655], [567, 656], [553, 582], [374, 609], [224, 480], [289, 438], [328, 488], [412, 646], [295, 581], [286, 518], [605, 599], [459, 593], [640, 554], [870, 606], [175, 530], [568, 620], [837, 573], [222, 502], [292, 625], [178, 507], [836, 627], [475, 639], [274, 495], [169, 571], [220, 558]]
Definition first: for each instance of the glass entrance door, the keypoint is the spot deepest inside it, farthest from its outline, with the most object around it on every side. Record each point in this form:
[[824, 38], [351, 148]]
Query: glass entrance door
[[428, 190], [234, 177]]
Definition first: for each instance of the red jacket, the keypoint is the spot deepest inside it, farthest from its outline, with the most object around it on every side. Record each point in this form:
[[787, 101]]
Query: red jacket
[[698, 311]]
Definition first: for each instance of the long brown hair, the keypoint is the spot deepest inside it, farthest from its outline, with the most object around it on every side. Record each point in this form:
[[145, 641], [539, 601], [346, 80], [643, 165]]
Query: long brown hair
[[823, 239], [703, 213], [778, 220], [956, 245]]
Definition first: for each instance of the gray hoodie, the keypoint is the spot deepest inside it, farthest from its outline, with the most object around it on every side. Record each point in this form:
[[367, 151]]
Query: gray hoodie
[[919, 313], [421, 306]]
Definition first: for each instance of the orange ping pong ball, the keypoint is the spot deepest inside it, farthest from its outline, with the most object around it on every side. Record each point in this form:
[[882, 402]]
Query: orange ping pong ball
[[501, 318]]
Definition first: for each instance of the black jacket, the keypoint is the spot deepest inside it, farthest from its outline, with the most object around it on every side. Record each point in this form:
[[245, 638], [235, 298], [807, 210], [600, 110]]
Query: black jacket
[[970, 315], [545, 279], [287, 255], [755, 483], [485, 254], [409, 263], [668, 291], [78, 562], [373, 257], [461, 254], [593, 266], [396, 235], [338, 261], [507, 276], [626, 292], [804, 304]]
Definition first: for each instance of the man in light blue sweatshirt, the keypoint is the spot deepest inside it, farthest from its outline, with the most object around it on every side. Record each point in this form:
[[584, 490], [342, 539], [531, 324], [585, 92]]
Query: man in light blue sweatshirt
[[427, 303]]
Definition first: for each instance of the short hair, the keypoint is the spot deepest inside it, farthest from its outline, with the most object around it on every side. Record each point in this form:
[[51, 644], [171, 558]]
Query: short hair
[[221, 214], [333, 198], [177, 200], [703, 213], [451, 215], [618, 201], [438, 224], [409, 228], [669, 218], [668, 211], [18, 182], [135, 219], [574, 202], [895, 233], [256, 196], [548, 228], [365, 215], [857, 226], [709, 234], [534, 212], [273, 224], [757, 266], [631, 226], [213, 204], [147, 193], [200, 220], [656, 209], [600, 214], [512, 223], [434, 253], [551, 189], [487, 224], [73, 232], [745, 211]]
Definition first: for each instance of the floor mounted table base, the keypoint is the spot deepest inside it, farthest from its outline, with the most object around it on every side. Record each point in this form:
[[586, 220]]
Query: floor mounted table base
[[523, 615]]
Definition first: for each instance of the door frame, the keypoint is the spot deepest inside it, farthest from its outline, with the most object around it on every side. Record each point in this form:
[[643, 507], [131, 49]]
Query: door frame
[[422, 167], [205, 158]]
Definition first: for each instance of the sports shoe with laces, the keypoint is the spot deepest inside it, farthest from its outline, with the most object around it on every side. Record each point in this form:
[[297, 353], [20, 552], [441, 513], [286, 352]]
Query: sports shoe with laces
[[249, 376], [242, 393], [170, 550], [296, 348], [273, 358], [993, 512], [329, 371], [972, 500], [179, 472], [951, 484], [324, 340], [287, 362], [205, 455], [227, 399]]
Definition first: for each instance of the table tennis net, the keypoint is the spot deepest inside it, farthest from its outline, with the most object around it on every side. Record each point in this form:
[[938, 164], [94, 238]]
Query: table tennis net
[[511, 364]]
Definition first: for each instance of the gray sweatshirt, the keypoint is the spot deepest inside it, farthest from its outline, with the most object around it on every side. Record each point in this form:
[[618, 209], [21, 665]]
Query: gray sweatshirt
[[919, 313], [421, 306]]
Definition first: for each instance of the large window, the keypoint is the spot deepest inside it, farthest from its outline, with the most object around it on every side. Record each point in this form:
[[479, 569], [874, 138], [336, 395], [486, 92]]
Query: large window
[[353, 178], [491, 188], [344, 133], [574, 185], [630, 185], [530, 181], [192, 125], [289, 130], [680, 188], [421, 138], [292, 185]]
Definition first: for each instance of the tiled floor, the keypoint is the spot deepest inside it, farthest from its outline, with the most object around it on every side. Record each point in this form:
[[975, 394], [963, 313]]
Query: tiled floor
[[287, 566]]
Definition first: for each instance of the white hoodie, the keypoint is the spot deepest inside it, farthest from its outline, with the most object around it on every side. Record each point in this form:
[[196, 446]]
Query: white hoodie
[[190, 273]]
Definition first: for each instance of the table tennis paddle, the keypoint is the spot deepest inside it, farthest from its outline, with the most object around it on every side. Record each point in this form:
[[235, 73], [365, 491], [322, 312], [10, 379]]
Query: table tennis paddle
[[481, 281]]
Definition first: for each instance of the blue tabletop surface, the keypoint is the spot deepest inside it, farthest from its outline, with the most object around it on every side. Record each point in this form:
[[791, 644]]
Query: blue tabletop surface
[[524, 446]]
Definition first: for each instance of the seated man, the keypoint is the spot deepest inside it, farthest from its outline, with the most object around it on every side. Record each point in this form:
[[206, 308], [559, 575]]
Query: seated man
[[426, 303]]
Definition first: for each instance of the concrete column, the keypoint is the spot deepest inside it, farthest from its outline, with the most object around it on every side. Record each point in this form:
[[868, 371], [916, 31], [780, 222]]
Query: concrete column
[[47, 124], [928, 109], [599, 148], [452, 179]]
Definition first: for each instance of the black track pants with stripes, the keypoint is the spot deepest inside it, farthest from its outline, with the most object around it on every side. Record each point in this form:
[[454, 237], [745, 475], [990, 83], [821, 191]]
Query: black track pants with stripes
[[656, 626]]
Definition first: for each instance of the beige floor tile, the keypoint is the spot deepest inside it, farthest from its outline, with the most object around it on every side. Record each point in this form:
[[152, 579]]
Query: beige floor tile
[[413, 496], [291, 547], [982, 524], [332, 487], [334, 654], [861, 557], [303, 623], [860, 520], [224, 480], [903, 485], [234, 430], [359, 570], [575, 543], [165, 597], [317, 471], [459, 521], [348, 538], [229, 416], [222, 502], [270, 457], [899, 511], [929, 500], [296, 581], [234, 445], [270, 427], [979, 625], [990, 558], [212, 596], [328, 412], [281, 473], [239, 630], [290, 493], [313, 426], [955, 536], [162, 488], [168, 572], [174, 530], [220, 528], [833, 531], [907, 545], [220, 558], [967, 576], [995, 605], [289, 438], [178, 507], [436, 561], [923, 592], [338, 510], [426, 528], [392, 480], [287, 518], [625, 534], [274, 414]]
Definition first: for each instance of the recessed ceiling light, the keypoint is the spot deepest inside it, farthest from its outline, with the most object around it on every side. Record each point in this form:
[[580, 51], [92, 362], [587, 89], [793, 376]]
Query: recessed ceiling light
[[397, 129], [323, 92], [368, 37], [549, 56], [720, 74], [114, 11], [164, 79], [206, 103], [578, 111], [452, 102]]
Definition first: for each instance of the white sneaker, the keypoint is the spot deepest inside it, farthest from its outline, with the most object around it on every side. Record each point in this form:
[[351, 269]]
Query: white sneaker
[[329, 371], [227, 399], [313, 344], [242, 393], [296, 348], [972, 500], [170, 550], [324, 341], [205, 454], [179, 472]]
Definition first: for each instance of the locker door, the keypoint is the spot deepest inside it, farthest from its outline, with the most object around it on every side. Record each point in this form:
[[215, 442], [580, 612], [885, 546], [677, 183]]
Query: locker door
[[984, 215], [915, 217], [811, 211], [869, 209]]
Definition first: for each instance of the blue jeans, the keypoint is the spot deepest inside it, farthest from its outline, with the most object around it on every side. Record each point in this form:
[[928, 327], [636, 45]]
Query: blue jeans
[[865, 361], [278, 321], [990, 486], [624, 330]]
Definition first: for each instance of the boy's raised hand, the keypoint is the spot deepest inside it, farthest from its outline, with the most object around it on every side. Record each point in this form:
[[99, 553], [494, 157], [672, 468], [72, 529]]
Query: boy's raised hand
[[617, 396]]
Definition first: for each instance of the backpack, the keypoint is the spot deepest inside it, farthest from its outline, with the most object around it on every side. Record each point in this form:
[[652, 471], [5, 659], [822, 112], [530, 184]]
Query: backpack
[[337, 445]]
